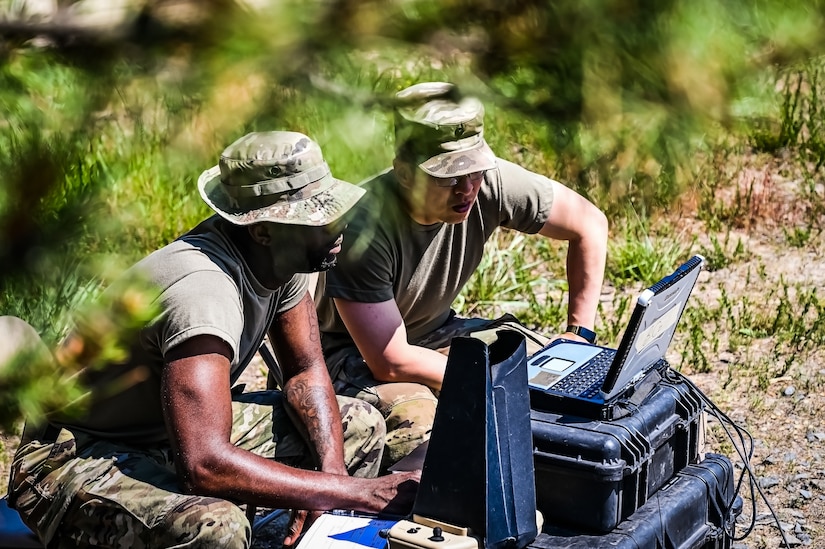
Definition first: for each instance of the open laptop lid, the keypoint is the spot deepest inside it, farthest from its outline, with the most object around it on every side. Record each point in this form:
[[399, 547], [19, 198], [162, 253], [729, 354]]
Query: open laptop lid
[[653, 324]]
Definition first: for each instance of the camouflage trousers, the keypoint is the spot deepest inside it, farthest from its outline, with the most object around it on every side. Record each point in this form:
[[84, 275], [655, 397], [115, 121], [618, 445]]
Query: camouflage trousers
[[76, 491], [409, 408]]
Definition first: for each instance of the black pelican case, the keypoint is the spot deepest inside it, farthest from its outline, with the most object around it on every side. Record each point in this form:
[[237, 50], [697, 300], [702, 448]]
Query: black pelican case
[[696, 509], [592, 474]]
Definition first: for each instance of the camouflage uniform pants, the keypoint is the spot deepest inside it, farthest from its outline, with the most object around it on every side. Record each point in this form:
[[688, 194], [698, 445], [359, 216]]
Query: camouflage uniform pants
[[78, 492], [409, 408]]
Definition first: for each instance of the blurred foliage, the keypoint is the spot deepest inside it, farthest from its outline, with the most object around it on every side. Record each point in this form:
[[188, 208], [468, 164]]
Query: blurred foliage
[[42, 379], [109, 116]]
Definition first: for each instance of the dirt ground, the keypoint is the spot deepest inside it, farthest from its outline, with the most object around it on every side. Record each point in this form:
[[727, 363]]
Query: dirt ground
[[783, 412], [774, 391]]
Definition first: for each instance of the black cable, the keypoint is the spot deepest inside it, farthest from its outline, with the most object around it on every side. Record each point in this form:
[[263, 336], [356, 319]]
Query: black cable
[[745, 457], [744, 450]]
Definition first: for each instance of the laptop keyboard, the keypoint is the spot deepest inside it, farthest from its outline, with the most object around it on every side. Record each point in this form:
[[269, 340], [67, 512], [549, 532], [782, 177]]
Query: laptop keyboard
[[587, 380]]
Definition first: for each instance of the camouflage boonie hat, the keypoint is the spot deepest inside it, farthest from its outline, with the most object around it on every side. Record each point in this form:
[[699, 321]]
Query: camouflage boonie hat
[[433, 123], [279, 177]]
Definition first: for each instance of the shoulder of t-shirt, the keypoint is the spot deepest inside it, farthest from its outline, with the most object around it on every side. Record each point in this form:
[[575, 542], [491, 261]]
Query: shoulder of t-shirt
[[380, 188], [380, 204]]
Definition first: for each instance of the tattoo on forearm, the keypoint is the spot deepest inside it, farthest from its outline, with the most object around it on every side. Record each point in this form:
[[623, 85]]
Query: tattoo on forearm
[[304, 398], [312, 320]]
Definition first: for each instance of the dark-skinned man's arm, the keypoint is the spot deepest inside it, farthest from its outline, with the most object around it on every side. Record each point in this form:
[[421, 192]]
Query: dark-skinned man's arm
[[198, 412], [308, 390], [307, 387]]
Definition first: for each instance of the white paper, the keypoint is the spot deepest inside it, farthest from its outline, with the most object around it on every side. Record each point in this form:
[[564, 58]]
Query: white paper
[[345, 531]]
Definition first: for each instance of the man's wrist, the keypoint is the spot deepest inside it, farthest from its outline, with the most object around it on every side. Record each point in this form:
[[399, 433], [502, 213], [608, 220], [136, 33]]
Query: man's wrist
[[581, 331]]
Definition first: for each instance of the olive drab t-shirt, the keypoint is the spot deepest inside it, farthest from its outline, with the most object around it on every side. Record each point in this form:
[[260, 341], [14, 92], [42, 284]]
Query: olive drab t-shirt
[[386, 255], [205, 288]]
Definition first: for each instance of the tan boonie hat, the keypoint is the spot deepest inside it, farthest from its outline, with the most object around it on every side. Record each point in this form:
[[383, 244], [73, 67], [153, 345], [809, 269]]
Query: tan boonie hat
[[279, 177], [434, 124]]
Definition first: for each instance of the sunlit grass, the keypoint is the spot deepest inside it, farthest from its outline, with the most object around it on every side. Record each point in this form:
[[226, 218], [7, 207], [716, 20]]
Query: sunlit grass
[[134, 151], [637, 254]]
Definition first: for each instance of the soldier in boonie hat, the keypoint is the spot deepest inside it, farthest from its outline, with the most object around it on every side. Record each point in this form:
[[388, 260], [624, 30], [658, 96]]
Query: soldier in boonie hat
[[237, 277], [443, 132], [276, 176]]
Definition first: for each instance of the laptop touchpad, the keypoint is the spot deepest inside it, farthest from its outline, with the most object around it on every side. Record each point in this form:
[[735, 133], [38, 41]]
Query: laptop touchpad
[[550, 365]]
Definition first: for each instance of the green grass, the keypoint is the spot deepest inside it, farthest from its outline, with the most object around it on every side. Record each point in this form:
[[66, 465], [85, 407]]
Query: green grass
[[501, 278], [719, 255], [800, 123], [640, 254], [123, 153]]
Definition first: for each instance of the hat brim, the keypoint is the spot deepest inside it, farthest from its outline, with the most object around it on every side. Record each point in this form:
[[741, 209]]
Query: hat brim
[[318, 210], [457, 163]]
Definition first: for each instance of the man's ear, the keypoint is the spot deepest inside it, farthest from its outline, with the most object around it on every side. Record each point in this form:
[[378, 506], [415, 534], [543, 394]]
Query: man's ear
[[404, 172], [260, 233]]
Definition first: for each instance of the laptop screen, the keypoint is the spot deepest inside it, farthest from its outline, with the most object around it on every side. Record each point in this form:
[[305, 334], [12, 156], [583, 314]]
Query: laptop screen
[[598, 374], [660, 307]]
